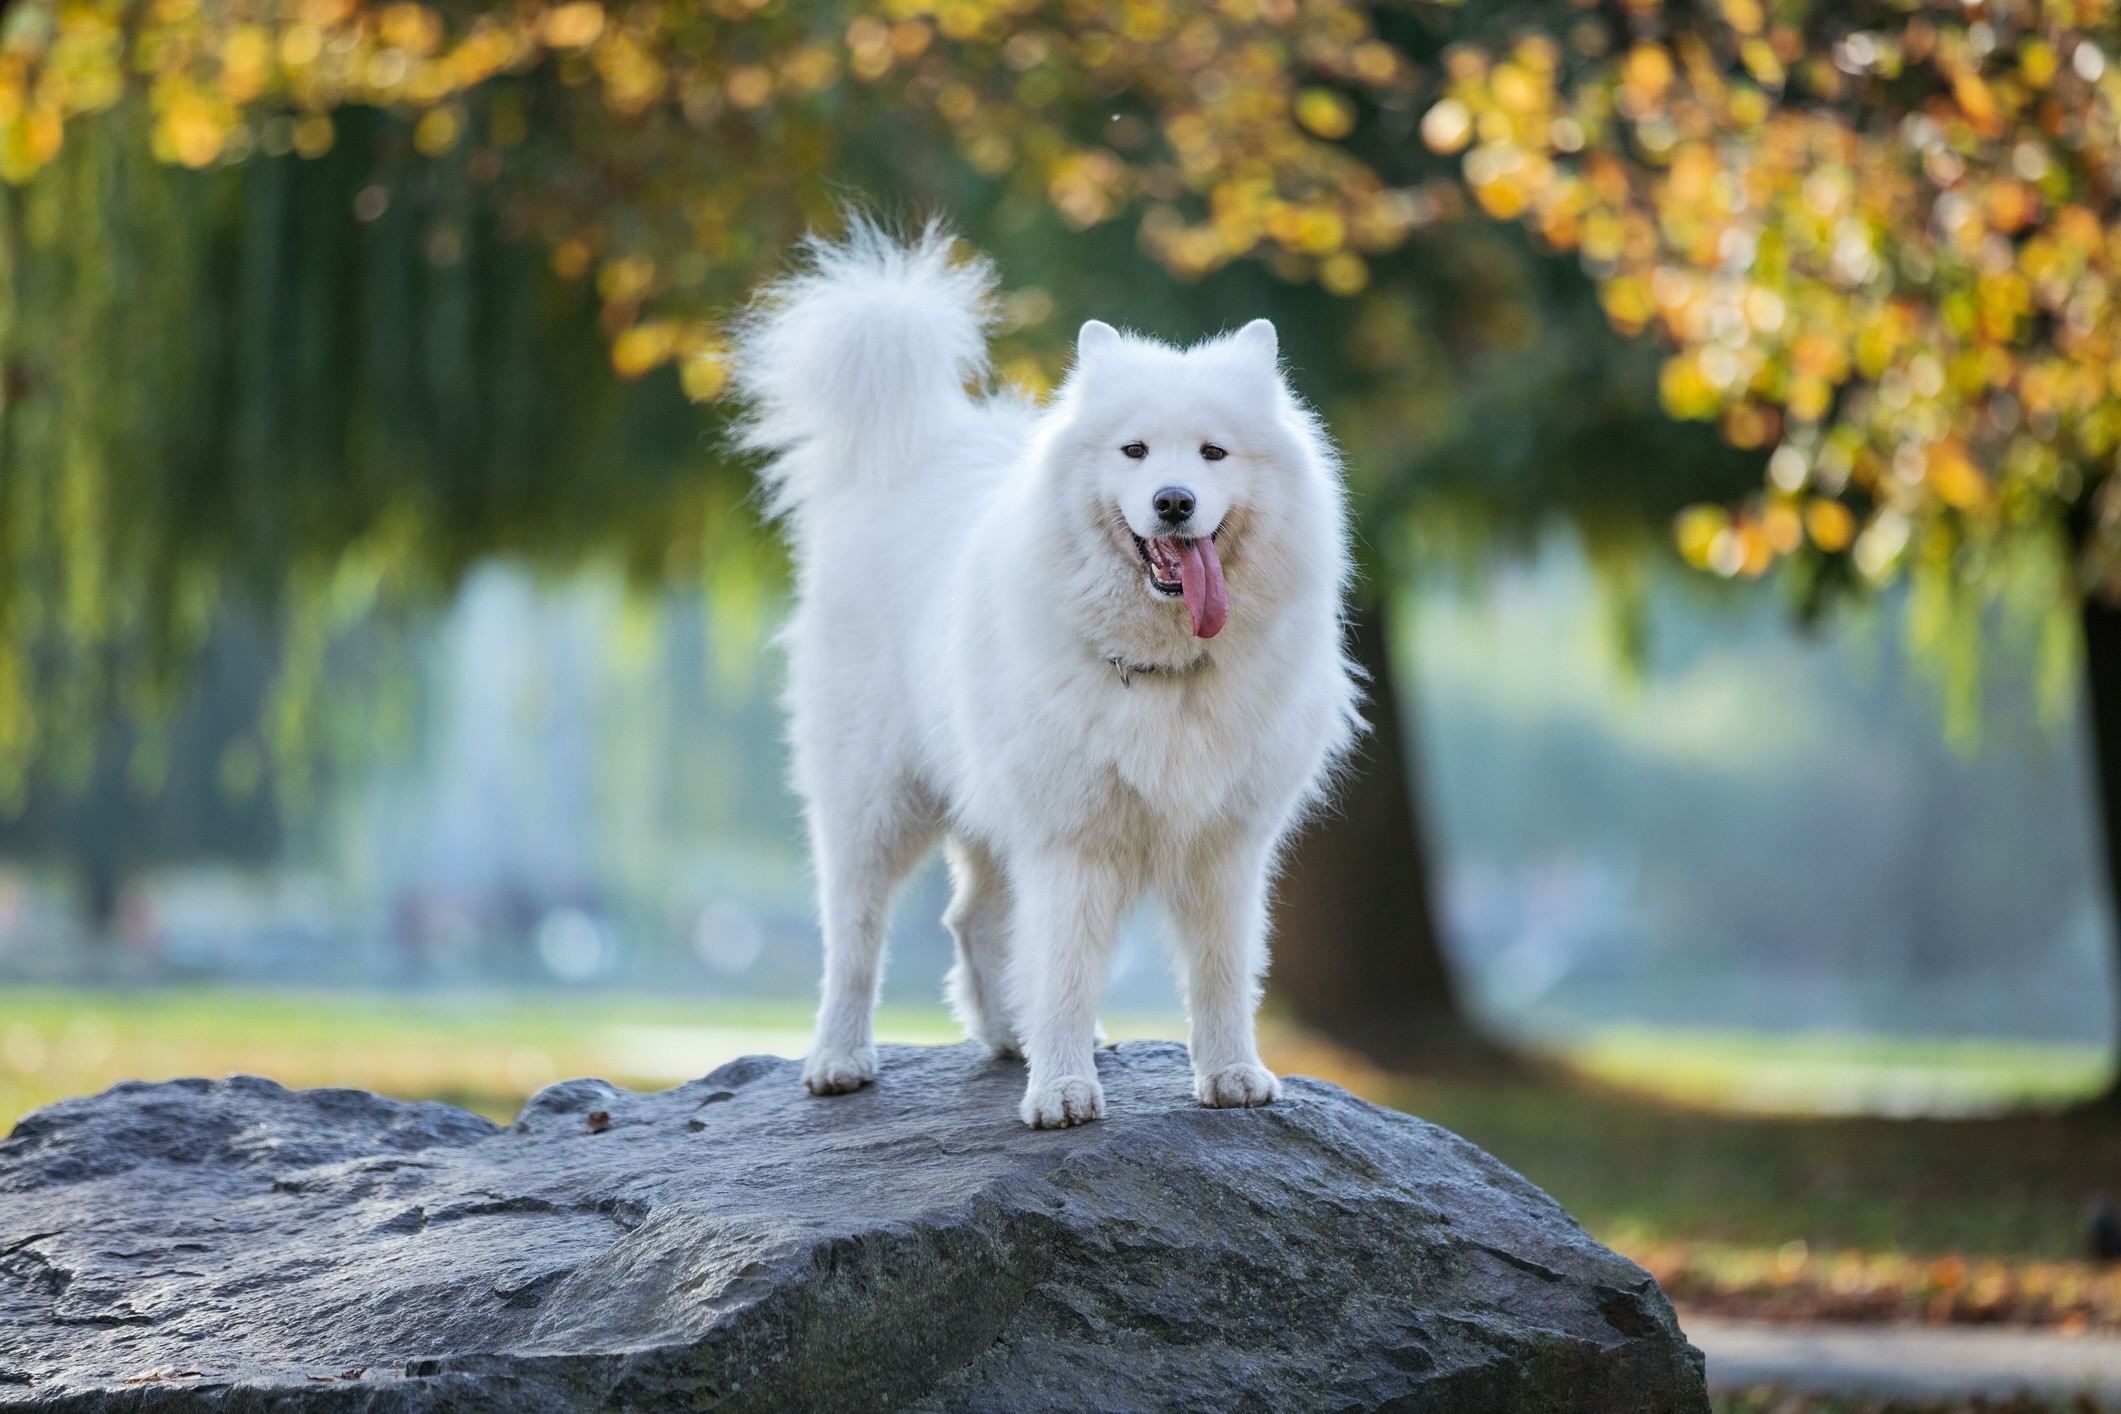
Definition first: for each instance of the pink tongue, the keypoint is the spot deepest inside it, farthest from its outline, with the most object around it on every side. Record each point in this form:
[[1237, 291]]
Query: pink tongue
[[1200, 574]]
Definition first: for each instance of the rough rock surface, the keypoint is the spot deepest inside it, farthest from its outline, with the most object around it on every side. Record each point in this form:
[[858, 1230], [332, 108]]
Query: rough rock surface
[[734, 1244]]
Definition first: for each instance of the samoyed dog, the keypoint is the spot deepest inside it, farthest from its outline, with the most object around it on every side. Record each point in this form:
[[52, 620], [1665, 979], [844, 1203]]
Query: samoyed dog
[[1094, 647]]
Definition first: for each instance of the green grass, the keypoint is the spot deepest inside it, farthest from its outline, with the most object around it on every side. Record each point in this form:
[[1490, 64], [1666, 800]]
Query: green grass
[[1824, 1073], [484, 1051], [1624, 1130], [1636, 1169]]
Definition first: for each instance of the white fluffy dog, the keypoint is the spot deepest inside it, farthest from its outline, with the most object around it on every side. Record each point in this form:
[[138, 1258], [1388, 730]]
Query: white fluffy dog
[[1094, 646]]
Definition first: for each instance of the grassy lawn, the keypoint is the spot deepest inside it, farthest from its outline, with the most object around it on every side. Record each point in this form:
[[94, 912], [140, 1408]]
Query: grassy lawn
[[486, 1052], [1639, 1172], [1642, 1170], [1622, 1132], [1814, 1073]]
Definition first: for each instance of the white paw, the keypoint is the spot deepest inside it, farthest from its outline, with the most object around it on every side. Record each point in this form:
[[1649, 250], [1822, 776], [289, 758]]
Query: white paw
[[1237, 1087], [836, 1072], [1056, 1104]]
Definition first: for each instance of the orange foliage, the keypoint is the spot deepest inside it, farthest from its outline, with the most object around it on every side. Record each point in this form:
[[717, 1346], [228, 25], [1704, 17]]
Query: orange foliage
[[1882, 245]]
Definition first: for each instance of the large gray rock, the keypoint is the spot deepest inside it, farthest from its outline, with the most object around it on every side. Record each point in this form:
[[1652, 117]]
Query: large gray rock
[[734, 1244]]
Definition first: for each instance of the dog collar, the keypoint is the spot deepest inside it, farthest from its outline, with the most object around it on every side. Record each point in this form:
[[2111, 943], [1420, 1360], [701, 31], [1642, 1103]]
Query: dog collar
[[1127, 670]]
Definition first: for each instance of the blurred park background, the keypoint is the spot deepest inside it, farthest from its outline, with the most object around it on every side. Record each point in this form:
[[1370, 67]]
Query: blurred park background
[[1729, 396]]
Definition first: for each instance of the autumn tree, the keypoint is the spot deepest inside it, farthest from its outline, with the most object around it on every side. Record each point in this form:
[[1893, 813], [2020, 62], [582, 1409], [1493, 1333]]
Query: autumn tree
[[1880, 240]]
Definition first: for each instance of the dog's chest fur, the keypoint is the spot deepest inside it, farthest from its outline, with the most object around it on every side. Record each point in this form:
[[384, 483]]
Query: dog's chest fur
[[1149, 764]]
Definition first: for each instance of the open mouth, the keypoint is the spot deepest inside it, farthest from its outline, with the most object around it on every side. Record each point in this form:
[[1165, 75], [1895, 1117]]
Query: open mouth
[[1191, 569], [1163, 556]]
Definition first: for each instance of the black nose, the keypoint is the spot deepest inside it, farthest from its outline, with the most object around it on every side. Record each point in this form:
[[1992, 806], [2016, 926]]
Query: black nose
[[1174, 505]]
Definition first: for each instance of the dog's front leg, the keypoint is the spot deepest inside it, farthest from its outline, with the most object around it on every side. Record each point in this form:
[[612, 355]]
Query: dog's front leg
[[1067, 921], [1219, 906]]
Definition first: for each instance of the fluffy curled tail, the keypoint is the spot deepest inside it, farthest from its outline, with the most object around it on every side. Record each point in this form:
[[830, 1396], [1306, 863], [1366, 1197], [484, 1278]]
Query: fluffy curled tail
[[857, 363]]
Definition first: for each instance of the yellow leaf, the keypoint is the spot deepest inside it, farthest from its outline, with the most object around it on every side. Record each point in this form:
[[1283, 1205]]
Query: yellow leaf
[[1325, 113], [436, 132], [575, 25], [1344, 273], [1958, 481], [1686, 391], [1977, 102], [1649, 70], [1695, 530], [1830, 524], [704, 375], [641, 348]]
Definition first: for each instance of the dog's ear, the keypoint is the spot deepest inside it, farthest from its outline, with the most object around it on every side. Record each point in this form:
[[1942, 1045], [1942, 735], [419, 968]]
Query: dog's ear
[[1094, 341], [1256, 341]]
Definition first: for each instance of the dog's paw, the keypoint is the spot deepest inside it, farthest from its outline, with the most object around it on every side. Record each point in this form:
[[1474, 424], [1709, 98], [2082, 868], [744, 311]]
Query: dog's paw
[[837, 1072], [1237, 1087], [1057, 1104]]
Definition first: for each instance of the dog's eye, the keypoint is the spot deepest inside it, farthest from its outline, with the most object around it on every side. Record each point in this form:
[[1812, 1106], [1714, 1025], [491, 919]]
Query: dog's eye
[[1136, 450], [1209, 452]]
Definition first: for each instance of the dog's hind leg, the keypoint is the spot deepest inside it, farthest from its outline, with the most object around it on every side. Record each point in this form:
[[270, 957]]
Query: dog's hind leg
[[861, 855], [978, 918]]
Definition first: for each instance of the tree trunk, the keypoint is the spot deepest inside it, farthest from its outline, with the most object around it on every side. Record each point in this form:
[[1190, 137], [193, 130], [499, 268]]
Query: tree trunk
[[2102, 678], [1357, 953]]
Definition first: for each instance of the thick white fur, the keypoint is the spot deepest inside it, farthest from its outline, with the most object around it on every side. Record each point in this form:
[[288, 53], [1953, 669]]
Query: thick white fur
[[965, 582]]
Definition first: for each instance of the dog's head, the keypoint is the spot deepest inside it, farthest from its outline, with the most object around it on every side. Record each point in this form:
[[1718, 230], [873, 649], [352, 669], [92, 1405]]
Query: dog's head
[[1197, 490]]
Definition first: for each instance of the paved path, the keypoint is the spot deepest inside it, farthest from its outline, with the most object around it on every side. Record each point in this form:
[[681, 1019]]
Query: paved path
[[1905, 1360]]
